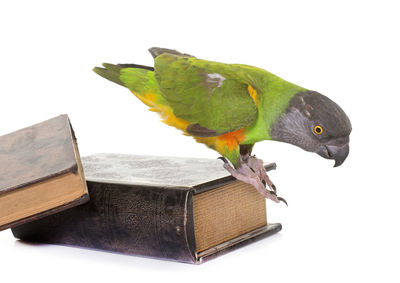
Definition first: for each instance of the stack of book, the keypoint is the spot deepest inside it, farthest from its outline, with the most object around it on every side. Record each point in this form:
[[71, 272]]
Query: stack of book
[[183, 209]]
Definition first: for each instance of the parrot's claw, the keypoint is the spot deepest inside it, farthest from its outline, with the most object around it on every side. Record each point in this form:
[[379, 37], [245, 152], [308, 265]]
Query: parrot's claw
[[223, 159], [283, 200], [273, 187], [246, 174]]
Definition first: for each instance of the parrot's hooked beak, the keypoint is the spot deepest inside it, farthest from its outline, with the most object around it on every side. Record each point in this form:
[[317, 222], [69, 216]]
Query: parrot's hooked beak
[[338, 153]]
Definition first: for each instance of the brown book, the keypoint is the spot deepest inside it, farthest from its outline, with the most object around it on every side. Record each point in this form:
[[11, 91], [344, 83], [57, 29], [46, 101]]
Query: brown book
[[40, 172], [181, 209]]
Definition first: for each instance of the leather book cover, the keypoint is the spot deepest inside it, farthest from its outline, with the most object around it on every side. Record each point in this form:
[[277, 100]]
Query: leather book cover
[[141, 205], [34, 156]]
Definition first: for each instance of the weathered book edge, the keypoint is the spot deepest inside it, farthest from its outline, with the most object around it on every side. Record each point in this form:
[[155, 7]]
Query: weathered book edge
[[73, 169], [81, 200], [238, 242]]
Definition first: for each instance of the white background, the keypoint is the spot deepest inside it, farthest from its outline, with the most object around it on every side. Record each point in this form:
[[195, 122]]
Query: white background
[[342, 224]]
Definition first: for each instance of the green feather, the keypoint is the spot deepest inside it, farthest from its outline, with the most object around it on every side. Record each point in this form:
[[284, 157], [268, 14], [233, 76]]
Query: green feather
[[274, 97], [206, 93], [110, 72], [139, 80]]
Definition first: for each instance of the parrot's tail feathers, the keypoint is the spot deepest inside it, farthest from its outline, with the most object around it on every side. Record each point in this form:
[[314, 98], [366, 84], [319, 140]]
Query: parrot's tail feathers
[[113, 72], [157, 51], [140, 80], [110, 72]]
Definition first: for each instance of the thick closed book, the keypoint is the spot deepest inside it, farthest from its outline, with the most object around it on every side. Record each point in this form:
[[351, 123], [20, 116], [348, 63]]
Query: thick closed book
[[181, 209], [40, 172]]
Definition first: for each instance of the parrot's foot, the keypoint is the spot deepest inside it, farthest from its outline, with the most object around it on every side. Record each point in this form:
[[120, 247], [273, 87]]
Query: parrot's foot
[[252, 171], [257, 165]]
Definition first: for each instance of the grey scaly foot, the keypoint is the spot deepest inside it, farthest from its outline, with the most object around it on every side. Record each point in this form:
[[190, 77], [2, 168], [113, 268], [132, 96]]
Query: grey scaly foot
[[245, 174]]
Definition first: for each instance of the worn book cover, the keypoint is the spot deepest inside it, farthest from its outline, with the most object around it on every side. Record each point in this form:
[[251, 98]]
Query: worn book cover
[[40, 172], [181, 209]]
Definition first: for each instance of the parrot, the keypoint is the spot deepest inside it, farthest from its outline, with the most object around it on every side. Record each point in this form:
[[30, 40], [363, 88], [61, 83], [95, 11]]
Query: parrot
[[230, 107]]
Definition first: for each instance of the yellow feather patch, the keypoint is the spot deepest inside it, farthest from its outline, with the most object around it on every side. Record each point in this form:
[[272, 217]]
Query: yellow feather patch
[[253, 93], [150, 99]]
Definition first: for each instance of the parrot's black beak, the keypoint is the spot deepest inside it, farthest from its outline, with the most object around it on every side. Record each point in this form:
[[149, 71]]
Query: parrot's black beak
[[339, 153]]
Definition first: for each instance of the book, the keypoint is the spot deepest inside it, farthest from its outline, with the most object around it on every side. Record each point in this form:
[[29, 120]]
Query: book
[[40, 172], [182, 209]]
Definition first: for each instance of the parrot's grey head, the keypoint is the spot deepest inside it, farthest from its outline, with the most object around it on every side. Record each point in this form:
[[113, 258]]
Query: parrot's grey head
[[315, 123]]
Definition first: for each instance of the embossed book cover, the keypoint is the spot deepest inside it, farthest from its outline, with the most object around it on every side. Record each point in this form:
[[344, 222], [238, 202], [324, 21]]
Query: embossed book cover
[[181, 209]]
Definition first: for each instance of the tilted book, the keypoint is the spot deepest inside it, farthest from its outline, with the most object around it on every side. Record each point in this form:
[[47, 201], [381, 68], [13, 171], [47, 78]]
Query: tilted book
[[40, 172], [181, 209]]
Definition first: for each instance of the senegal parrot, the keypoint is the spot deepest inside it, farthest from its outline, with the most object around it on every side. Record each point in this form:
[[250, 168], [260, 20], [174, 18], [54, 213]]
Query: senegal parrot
[[230, 107]]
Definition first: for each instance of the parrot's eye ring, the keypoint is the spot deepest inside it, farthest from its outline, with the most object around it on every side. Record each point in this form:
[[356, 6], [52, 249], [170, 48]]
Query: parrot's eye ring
[[318, 130]]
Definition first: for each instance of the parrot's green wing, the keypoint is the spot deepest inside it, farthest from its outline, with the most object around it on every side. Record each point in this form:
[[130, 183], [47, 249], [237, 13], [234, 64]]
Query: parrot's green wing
[[207, 94]]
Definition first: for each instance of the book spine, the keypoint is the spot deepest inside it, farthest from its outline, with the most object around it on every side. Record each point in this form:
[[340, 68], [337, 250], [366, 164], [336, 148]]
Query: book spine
[[147, 221]]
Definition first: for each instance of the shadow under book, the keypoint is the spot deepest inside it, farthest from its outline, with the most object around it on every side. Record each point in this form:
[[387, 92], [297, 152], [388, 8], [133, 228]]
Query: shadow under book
[[181, 209]]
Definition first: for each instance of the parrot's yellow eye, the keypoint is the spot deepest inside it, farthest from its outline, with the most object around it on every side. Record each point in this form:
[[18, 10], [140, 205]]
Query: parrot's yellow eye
[[318, 130]]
